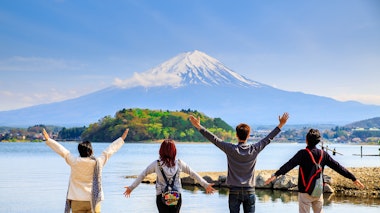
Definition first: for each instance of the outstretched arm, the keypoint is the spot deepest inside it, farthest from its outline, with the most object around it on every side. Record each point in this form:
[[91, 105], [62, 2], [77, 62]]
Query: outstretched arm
[[196, 122], [55, 146], [266, 140], [283, 119], [186, 169], [293, 162], [149, 170], [112, 148]]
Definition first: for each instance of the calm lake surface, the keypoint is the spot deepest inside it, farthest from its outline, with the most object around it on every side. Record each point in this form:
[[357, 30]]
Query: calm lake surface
[[34, 178]]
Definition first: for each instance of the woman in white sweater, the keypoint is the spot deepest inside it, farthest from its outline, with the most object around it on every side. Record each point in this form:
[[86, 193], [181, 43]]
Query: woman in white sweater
[[85, 190], [168, 167]]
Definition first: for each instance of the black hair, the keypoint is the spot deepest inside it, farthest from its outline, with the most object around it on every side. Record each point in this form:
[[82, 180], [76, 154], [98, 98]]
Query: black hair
[[85, 149], [313, 137]]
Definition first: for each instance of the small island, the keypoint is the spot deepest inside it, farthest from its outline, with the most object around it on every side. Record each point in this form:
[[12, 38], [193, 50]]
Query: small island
[[148, 125]]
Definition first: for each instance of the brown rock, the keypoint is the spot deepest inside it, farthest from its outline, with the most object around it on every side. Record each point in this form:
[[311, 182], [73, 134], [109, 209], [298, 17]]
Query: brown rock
[[337, 184]]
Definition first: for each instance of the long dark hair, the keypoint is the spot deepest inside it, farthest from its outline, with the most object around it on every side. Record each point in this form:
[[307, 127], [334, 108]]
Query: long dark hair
[[168, 152]]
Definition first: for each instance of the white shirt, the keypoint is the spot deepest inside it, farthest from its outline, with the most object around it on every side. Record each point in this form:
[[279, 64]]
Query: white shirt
[[82, 169]]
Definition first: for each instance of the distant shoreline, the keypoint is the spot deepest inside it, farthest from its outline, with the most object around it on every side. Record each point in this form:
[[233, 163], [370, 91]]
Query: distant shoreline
[[180, 142]]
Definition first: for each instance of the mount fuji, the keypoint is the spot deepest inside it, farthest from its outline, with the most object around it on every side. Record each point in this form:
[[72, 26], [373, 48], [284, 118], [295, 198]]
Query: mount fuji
[[196, 81]]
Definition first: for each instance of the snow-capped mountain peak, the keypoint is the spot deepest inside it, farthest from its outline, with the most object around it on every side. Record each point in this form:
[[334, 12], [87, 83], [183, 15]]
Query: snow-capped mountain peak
[[188, 68], [179, 83]]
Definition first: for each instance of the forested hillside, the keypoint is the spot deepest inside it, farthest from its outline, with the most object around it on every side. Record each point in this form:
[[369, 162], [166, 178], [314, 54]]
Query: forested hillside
[[150, 125], [368, 123]]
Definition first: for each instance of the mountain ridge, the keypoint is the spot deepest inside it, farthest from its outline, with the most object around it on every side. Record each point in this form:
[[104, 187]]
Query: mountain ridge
[[199, 82], [367, 123]]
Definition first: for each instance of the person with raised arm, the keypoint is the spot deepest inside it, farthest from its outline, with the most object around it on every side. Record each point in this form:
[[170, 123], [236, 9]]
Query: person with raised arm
[[241, 159], [311, 162], [85, 191]]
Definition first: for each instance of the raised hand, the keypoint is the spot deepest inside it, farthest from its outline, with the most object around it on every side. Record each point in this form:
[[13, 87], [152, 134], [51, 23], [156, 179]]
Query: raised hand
[[125, 134], [195, 122], [46, 135], [283, 119]]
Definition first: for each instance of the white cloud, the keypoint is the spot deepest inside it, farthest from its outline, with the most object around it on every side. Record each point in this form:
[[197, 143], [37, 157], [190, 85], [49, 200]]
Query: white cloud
[[149, 80], [33, 64], [6, 93], [16, 100]]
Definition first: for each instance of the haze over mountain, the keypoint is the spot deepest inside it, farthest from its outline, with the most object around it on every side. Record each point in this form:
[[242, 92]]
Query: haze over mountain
[[194, 80]]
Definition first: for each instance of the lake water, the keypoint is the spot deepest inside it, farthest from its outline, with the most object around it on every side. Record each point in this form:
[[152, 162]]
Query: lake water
[[34, 178]]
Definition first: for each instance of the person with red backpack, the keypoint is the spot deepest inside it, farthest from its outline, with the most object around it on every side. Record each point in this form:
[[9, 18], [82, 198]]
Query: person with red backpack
[[311, 162]]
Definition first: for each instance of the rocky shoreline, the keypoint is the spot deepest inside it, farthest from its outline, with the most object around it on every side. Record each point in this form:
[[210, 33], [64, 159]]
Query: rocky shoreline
[[335, 183]]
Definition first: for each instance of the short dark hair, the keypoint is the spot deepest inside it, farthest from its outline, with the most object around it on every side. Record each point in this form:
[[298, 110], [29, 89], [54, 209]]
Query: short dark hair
[[313, 137], [85, 149], [242, 131]]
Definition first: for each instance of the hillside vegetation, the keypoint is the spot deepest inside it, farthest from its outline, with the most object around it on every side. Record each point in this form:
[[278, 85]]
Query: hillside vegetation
[[150, 125], [368, 123]]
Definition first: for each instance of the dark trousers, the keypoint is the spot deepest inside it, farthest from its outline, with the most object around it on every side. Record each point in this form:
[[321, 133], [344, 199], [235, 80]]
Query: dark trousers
[[245, 196], [163, 208]]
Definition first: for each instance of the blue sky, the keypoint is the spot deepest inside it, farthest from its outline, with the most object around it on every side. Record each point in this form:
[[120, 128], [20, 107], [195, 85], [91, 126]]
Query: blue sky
[[56, 50]]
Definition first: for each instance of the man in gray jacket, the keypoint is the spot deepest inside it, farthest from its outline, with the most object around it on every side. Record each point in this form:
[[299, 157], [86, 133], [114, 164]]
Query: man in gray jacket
[[241, 159]]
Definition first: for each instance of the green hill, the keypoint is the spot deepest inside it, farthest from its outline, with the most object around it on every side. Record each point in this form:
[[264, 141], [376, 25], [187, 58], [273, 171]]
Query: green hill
[[152, 125], [368, 123]]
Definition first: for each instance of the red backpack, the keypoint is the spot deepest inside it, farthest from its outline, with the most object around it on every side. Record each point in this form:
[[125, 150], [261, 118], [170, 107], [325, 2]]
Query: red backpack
[[314, 185]]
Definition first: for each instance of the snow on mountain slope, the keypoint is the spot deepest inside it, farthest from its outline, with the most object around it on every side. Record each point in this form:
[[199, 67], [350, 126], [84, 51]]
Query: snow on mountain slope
[[185, 69], [196, 81]]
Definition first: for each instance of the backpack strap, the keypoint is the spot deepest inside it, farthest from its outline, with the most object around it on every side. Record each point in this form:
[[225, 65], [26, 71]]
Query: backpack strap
[[165, 178], [307, 185], [314, 175], [312, 157]]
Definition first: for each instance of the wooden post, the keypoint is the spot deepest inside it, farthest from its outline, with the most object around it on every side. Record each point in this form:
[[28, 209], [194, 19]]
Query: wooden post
[[361, 151]]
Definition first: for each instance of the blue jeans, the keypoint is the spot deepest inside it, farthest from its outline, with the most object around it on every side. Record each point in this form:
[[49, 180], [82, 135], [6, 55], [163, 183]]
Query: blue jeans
[[245, 197]]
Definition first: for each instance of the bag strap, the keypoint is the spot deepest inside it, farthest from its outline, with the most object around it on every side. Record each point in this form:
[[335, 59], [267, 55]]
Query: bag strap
[[165, 178], [301, 170], [319, 170], [312, 157]]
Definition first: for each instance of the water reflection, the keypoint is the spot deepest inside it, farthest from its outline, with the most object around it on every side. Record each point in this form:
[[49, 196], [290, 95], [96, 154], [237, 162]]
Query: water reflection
[[268, 195], [276, 195], [336, 198]]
